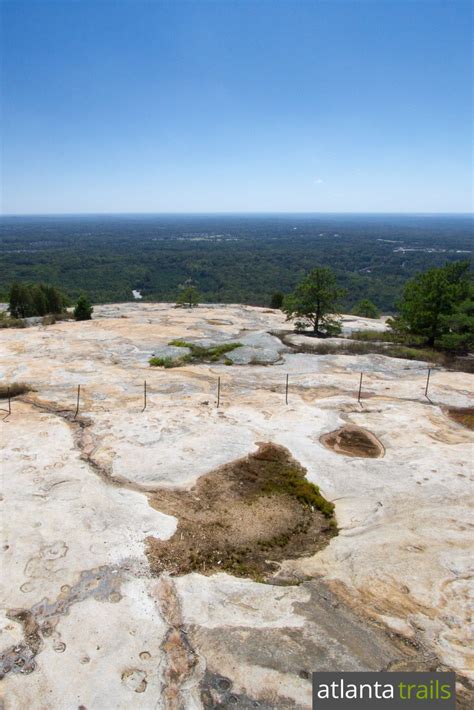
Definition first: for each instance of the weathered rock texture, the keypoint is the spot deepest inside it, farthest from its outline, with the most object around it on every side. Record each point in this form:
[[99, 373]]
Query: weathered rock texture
[[86, 624]]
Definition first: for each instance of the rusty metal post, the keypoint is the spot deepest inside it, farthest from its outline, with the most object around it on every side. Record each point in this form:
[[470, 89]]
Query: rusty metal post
[[286, 390], [78, 397], [360, 386], [9, 410], [218, 391], [427, 383], [144, 396]]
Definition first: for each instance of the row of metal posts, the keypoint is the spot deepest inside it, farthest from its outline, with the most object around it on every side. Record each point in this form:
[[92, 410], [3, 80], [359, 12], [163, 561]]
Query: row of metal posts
[[359, 394]]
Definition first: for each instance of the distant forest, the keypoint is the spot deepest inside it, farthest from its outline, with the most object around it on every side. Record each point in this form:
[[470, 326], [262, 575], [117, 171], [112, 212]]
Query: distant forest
[[230, 259]]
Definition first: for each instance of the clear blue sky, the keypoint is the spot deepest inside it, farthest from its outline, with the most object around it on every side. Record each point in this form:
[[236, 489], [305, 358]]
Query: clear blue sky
[[236, 105]]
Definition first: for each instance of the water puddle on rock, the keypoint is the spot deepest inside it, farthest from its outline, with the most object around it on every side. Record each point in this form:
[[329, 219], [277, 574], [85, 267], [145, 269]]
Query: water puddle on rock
[[462, 415], [351, 440]]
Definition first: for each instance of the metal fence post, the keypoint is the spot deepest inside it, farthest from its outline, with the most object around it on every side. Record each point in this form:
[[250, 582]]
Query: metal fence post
[[9, 410], [78, 397], [427, 382]]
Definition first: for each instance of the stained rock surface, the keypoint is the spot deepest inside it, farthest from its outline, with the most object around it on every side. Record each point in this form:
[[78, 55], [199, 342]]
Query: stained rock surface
[[88, 623]]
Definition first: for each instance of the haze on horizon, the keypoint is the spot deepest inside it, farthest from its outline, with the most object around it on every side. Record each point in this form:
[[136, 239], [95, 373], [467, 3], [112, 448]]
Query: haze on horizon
[[206, 107]]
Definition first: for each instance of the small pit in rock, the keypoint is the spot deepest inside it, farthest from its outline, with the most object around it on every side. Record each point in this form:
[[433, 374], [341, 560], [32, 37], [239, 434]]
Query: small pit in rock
[[244, 518], [351, 440], [463, 415]]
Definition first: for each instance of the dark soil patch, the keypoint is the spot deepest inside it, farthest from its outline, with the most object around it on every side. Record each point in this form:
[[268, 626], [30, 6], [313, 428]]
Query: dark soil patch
[[352, 440], [363, 395], [14, 389], [243, 518], [464, 416]]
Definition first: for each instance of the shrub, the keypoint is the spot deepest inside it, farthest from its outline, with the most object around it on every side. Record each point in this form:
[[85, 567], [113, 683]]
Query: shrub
[[83, 309], [276, 300], [374, 336], [8, 322], [366, 309]]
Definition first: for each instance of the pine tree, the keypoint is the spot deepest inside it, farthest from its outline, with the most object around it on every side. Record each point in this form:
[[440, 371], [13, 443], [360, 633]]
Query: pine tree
[[83, 309], [430, 301], [188, 297], [366, 309], [315, 302]]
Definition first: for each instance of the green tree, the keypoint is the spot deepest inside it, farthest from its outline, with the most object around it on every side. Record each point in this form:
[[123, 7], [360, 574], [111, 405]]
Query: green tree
[[34, 300], [189, 296], [458, 327], [315, 302], [56, 299], [40, 301], [430, 301], [20, 301], [83, 309], [366, 309], [276, 300]]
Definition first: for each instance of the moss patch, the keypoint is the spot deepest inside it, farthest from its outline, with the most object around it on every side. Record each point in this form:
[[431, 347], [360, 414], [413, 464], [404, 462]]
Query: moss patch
[[166, 362], [244, 518], [198, 353]]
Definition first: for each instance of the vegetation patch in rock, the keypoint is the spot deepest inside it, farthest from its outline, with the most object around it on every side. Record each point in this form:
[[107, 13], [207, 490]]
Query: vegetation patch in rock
[[244, 518], [14, 389], [198, 353]]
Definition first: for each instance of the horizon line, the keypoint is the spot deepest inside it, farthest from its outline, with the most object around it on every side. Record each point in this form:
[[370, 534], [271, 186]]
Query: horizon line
[[230, 213]]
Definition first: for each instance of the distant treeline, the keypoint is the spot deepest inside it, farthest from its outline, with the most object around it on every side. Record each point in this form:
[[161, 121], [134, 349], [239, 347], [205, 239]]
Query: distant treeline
[[240, 259], [436, 308]]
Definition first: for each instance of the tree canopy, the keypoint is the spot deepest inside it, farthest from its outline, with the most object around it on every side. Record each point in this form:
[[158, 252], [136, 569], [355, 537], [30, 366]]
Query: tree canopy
[[26, 300], [437, 307], [315, 302], [189, 296], [366, 309], [276, 300]]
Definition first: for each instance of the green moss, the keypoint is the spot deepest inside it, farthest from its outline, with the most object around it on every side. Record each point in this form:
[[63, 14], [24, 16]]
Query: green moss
[[166, 362], [287, 480], [179, 344], [199, 353]]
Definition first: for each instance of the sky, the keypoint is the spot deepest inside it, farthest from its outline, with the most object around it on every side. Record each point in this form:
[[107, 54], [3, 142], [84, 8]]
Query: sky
[[236, 106]]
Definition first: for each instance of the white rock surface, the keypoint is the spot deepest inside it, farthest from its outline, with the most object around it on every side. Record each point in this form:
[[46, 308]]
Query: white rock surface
[[402, 556]]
